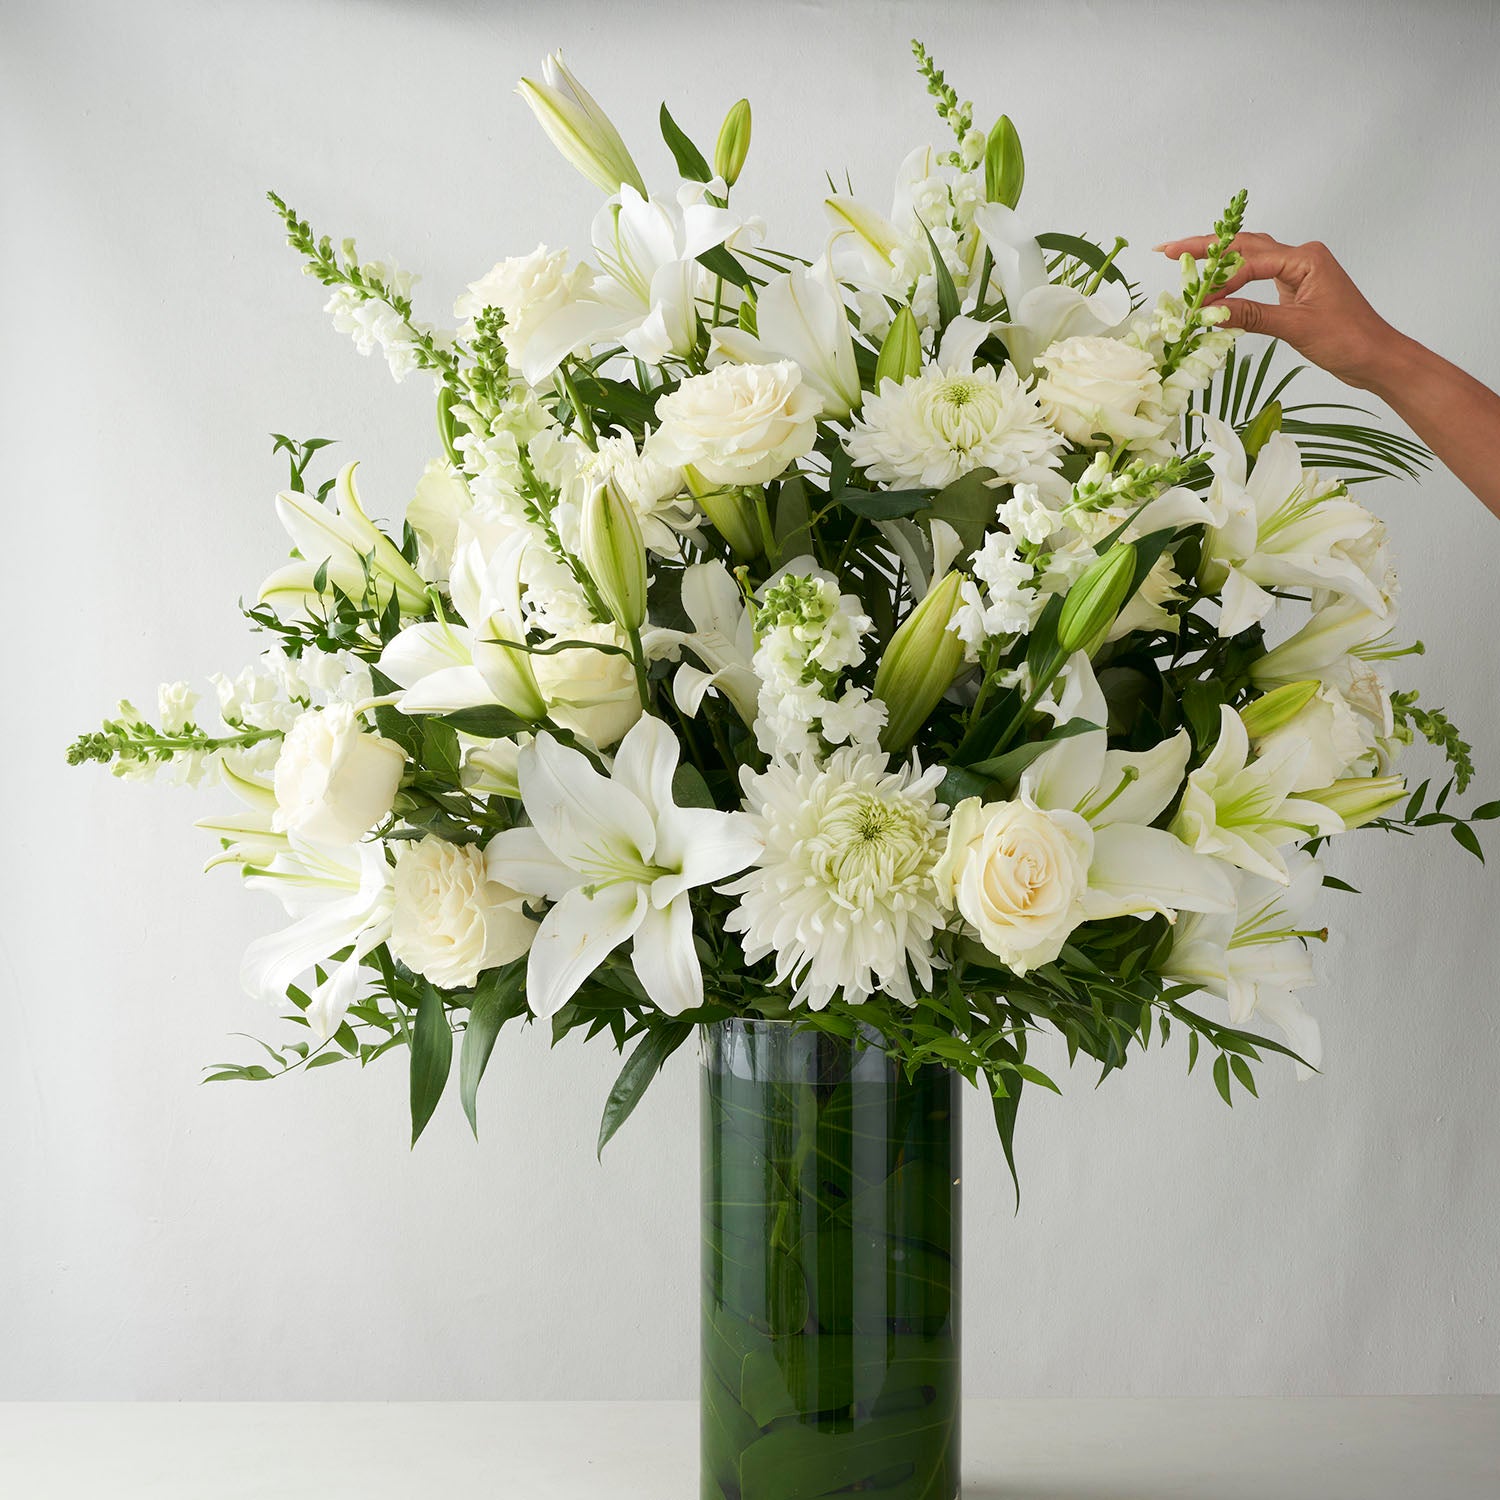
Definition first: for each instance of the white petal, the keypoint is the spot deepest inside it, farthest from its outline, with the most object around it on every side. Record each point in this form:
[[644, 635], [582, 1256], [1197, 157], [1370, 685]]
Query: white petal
[[584, 818], [1159, 773], [575, 937], [666, 962], [1284, 1011], [705, 845], [645, 763], [1070, 773], [1139, 870], [447, 691], [1245, 604], [520, 859], [421, 650]]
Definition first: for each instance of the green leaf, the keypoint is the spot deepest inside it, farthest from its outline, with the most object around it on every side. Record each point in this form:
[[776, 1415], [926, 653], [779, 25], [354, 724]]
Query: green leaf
[[1007, 768], [1468, 839], [485, 722], [967, 505], [690, 160], [792, 531], [1482, 813], [1221, 1078], [499, 998], [1092, 255], [440, 752], [641, 1067], [882, 505], [947, 293], [1242, 1071], [431, 1057], [718, 260], [689, 789]]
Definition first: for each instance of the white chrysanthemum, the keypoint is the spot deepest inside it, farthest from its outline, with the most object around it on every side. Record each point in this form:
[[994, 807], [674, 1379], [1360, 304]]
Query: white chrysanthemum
[[843, 892], [942, 423]]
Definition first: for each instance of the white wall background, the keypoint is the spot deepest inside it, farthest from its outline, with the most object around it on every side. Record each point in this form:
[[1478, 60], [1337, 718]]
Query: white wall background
[[162, 1240]]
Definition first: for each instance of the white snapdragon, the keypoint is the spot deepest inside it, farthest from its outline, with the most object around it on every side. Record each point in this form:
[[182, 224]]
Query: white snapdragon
[[374, 324], [1001, 599]]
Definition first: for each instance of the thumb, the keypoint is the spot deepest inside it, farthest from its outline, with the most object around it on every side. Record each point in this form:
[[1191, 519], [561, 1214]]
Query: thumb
[[1268, 318]]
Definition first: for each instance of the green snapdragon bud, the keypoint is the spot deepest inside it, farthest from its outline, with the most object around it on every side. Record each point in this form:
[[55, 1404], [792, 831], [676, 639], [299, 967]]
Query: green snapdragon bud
[[920, 663], [1004, 165], [614, 553], [901, 353], [734, 143], [1095, 600], [1280, 706], [1259, 432], [1360, 799]]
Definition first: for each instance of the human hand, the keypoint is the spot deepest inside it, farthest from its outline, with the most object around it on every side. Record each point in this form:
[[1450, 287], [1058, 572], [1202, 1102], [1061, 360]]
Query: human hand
[[1321, 313]]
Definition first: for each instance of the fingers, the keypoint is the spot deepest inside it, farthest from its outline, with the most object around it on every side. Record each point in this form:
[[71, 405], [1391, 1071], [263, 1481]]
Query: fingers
[[1282, 263], [1263, 317], [1248, 242]]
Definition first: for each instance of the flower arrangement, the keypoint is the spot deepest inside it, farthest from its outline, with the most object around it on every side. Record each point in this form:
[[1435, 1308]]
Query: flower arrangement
[[929, 640]]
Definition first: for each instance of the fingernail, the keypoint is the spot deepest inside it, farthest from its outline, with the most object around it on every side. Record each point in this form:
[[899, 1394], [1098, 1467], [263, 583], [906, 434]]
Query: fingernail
[[1159, 247]]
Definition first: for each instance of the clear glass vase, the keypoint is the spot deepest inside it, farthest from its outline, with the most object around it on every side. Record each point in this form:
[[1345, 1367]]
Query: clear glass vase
[[830, 1269]]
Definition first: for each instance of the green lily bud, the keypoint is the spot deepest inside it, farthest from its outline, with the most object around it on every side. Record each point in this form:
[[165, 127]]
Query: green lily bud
[[1004, 165], [1360, 799], [734, 143], [1259, 432], [901, 353], [1280, 706], [731, 513], [615, 555], [579, 128], [1095, 600], [920, 663]]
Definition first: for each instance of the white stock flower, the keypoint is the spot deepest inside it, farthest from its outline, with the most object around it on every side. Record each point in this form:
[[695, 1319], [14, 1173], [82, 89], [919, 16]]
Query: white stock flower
[[617, 857], [1008, 602], [1092, 385], [451, 920], [801, 317], [1242, 810], [539, 295], [943, 423], [340, 898], [335, 780], [738, 424], [1256, 957], [843, 893]]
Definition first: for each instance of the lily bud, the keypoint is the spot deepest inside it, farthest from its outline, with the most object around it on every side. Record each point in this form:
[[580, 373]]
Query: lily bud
[[614, 553], [920, 663], [1280, 706], [734, 143], [1260, 431], [1004, 165], [730, 512], [1095, 600], [901, 353], [579, 128], [1360, 799]]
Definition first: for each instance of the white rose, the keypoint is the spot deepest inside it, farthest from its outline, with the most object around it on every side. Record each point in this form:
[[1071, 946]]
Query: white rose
[[451, 921], [1092, 384], [739, 424], [334, 781], [593, 693], [1017, 874], [531, 290]]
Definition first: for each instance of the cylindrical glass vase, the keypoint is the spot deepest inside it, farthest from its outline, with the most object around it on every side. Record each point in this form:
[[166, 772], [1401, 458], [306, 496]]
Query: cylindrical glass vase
[[830, 1269]]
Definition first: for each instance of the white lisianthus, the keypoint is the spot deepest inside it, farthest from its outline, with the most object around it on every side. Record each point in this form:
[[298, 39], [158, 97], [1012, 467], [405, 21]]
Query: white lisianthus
[[1017, 874], [537, 293], [738, 424], [451, 921], [843, 892], [944, 422], [334, 779], [1093, 386]]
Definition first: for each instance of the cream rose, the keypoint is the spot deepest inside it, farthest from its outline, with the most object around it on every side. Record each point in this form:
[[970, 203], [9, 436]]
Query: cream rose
[[593, 693], [1092, 384], [738, 424], [531, 290], [1017, 874], [451, 921], [334, 780]]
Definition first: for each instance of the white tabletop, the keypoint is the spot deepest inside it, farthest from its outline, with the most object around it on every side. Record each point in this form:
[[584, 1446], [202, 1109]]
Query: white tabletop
[[1365, 1448]]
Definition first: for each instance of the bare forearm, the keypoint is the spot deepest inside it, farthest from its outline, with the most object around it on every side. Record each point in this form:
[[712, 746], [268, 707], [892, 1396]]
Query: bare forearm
[[1454, 414]]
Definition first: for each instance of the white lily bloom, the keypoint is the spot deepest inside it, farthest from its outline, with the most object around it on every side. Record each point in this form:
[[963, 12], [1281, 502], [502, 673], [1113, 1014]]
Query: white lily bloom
[[1134, 869], [801, 316], [1040, 313], [341, 898], [1333, 634], [722, 638], [1280, 527], [617, 857], [338, 541], [1242, 811], [1257, 958]]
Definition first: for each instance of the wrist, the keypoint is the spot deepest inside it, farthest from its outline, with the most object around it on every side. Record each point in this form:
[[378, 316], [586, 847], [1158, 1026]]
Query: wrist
[[1394, 362]]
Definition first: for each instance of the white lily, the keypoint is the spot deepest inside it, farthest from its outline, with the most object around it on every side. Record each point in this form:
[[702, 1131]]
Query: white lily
[[1322, 646], [341, 898], [617, 857], [1256, 958], [1242, 811], [1134, 869], [722, 638], [338, 541], [579, 128], [1040, 312], [801, 316], [1281, 527]]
